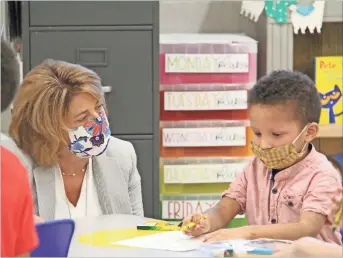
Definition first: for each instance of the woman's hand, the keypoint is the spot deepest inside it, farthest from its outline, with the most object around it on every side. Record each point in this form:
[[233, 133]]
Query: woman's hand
[[298, 249], [227, 234], [202, 225], [309, 247], [38, 219]]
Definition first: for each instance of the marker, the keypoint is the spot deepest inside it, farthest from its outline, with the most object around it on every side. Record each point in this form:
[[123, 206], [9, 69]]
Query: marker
[[159, 226], [228, 253], [261, 251]]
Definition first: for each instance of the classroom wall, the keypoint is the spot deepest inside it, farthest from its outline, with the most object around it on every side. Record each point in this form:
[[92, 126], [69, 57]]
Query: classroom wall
[[204, 17], [3, 19], [192, 17], [185, 16]]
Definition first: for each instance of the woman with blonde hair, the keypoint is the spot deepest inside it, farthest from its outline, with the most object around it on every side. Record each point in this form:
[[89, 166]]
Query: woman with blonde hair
[[76, 167]]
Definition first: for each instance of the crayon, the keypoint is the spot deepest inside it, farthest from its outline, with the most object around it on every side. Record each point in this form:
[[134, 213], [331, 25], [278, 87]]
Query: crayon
[[190, 224], [338, 217], [160, 226]]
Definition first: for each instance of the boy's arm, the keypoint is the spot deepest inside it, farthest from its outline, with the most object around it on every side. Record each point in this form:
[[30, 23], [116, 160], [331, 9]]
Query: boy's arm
[[309, 225], [233, 202], [315, 213], [222, 213]]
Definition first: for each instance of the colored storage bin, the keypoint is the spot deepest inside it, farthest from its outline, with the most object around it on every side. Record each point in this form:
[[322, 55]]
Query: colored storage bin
[[199, 175], [205, 139], [178, 207], [207, 58], [203, 102]]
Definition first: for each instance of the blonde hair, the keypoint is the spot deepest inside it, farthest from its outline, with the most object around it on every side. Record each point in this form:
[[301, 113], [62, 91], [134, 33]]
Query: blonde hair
[[41, 106]]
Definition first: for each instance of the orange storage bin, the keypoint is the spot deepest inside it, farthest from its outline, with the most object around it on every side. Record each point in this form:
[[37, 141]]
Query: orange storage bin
[[183, 146]]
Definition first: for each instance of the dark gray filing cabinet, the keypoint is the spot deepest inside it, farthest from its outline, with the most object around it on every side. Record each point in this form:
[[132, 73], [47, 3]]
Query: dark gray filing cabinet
[[120, 41]]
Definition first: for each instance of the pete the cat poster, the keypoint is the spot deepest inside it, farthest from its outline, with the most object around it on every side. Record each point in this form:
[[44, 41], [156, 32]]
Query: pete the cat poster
[[328, 78]]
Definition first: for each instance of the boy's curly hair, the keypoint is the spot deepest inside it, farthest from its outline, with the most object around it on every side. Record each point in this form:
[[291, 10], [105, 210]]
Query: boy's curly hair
[[291, 88]]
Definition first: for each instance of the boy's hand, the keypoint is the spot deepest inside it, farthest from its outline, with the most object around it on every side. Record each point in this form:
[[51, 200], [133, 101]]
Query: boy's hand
[[227, 234], [202, 225]]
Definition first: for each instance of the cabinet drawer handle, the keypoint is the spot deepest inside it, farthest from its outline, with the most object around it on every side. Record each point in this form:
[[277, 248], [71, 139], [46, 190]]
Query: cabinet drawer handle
[[106, 89]]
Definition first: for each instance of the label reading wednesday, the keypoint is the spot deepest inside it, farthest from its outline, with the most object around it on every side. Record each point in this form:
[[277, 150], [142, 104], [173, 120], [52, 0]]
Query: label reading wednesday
[[204, 137]]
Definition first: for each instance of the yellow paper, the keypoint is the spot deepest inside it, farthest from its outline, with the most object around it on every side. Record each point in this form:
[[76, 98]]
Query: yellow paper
[[329, 77]]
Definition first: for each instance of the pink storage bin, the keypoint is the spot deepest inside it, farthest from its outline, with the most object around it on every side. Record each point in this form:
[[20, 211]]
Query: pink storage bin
[[207, 58]]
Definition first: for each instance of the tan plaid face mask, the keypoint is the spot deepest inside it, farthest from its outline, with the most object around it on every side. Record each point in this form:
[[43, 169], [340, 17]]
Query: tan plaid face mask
[[279, 157]]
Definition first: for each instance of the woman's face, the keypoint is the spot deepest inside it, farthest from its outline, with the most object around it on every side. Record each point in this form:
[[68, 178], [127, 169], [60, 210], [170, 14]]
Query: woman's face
[[82, 108]]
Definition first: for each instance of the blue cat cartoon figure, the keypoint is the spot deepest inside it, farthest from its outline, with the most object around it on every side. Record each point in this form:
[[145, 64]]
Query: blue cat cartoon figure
[[329, 100]]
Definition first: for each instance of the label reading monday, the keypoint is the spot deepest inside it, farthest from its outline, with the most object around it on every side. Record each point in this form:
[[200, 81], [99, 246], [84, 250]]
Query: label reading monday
[[204, 137], [205, 100], [206, 63], [202, 173]]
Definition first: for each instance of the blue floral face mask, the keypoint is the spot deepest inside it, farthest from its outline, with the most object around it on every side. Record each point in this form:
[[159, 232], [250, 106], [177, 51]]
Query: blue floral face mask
[[90, 139]]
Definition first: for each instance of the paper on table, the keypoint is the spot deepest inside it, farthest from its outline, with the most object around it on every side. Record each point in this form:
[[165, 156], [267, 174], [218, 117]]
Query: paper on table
[[170, 241], [241, 246]]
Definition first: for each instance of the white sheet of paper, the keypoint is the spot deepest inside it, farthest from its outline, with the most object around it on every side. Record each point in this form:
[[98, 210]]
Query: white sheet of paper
[[175, 241]]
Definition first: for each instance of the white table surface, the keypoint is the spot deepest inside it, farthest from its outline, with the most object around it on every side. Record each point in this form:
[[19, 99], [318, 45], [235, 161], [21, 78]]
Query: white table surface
[[93, 224]]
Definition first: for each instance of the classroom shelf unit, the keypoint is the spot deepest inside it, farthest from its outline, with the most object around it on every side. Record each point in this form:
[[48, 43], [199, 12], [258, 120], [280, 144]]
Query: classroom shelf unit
[[330, 131]]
